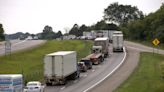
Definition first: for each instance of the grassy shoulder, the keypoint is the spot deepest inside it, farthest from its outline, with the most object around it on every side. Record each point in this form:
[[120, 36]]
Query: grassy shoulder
[[30, 62], [148, 76], [146, 43]]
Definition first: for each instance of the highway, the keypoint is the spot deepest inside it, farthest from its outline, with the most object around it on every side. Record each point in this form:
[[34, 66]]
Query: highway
[[131, 62], [92, 77], [17, 45], [105, 77], [97, 79]]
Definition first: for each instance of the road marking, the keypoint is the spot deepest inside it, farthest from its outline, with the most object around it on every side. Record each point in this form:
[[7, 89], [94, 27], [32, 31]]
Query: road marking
[[62, 88], [19, 42], [93, 70], [13, 44], [136, 48], [108, 74]]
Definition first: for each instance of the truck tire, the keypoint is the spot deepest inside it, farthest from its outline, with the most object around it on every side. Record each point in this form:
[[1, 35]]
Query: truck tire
[[62, 81], [49, 84]]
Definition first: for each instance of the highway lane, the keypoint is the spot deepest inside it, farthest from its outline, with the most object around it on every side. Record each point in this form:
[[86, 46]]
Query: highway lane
[[91, 77], [131, 62], [18, 45]]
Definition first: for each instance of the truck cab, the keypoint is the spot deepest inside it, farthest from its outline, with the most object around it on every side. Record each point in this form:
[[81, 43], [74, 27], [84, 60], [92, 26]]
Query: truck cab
[[97, 49]]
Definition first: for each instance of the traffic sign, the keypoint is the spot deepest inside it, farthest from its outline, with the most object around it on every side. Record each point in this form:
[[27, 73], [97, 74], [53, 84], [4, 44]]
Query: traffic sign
[[156, 42]]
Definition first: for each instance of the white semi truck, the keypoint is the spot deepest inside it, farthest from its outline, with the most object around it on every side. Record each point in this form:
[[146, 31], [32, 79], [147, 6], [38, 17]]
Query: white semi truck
[[60, 66], [117, 42], [104, 42], [11, 83]]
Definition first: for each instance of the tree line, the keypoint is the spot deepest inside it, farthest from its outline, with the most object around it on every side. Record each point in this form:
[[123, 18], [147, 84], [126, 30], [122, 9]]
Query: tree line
[[129, 19], [148, 28], [2, 36]]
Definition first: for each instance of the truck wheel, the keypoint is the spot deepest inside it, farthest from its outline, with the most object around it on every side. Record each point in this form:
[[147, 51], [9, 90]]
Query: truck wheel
[[49, 84], [63, 81]]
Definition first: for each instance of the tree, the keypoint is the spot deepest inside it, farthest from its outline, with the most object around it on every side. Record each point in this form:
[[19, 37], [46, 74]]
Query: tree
[[48, 33], [122, 13], [2, 37], [58, 34], [75, 30]]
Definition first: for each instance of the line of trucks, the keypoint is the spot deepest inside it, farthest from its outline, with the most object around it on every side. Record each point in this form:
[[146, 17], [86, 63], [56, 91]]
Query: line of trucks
[[62, 65]]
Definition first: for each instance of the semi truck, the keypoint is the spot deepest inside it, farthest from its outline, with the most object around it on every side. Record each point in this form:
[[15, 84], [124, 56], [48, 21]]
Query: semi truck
[[104, 42], [96, 57], [11, 83], [117, 42], [60, 66]]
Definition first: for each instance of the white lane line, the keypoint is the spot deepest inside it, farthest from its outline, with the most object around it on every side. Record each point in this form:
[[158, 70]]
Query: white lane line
[[13, 44], [62, 88], [137, 48], [108, 74], [93, 70], [19, 42]]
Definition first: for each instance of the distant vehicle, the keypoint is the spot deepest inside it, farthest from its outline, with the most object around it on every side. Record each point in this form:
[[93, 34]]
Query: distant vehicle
[[87, 62], [117, 42], [83, 38], [34, 86], [104, 42], [82, 66], [29, 38], [60, 66], [11, 83]]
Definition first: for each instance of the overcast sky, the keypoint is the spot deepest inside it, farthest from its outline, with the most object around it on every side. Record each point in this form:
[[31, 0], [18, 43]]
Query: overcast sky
[[32, 15]]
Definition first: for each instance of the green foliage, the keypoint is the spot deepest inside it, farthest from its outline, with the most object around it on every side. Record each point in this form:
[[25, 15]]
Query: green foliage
[[148, 76], [30, 62], [49, 34], [148, 28], [2, 37], [75, 30], [122, 13], [102, 25]]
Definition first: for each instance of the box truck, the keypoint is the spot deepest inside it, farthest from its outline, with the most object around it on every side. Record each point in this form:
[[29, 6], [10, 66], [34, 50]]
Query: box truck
[[60, 66], [117, 42], [104, 42], [11, 83]]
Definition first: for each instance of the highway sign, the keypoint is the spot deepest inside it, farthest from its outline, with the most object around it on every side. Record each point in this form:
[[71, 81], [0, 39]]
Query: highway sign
[[156, 42]]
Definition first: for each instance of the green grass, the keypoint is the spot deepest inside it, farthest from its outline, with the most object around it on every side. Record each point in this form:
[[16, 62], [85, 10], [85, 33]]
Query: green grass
[[30, 62], [148, 76]]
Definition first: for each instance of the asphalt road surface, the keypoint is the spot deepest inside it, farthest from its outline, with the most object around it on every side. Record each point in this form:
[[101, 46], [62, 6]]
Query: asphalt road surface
[[17, 45], [131, 62], [91, 77]]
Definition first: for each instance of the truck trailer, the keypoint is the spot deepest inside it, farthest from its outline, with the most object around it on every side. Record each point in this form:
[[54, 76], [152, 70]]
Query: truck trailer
[[60, 66], [104, 42], [11, 83], [117, 42]]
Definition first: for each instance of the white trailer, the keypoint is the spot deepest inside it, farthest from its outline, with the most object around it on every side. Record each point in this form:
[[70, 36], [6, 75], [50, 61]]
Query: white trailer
[[11, 83], [60, 66], [104, 42], [117, 42]]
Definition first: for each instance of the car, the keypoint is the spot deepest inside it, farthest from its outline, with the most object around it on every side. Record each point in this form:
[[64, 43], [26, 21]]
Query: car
[[87, 62], [82, 66], [34, 86]]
